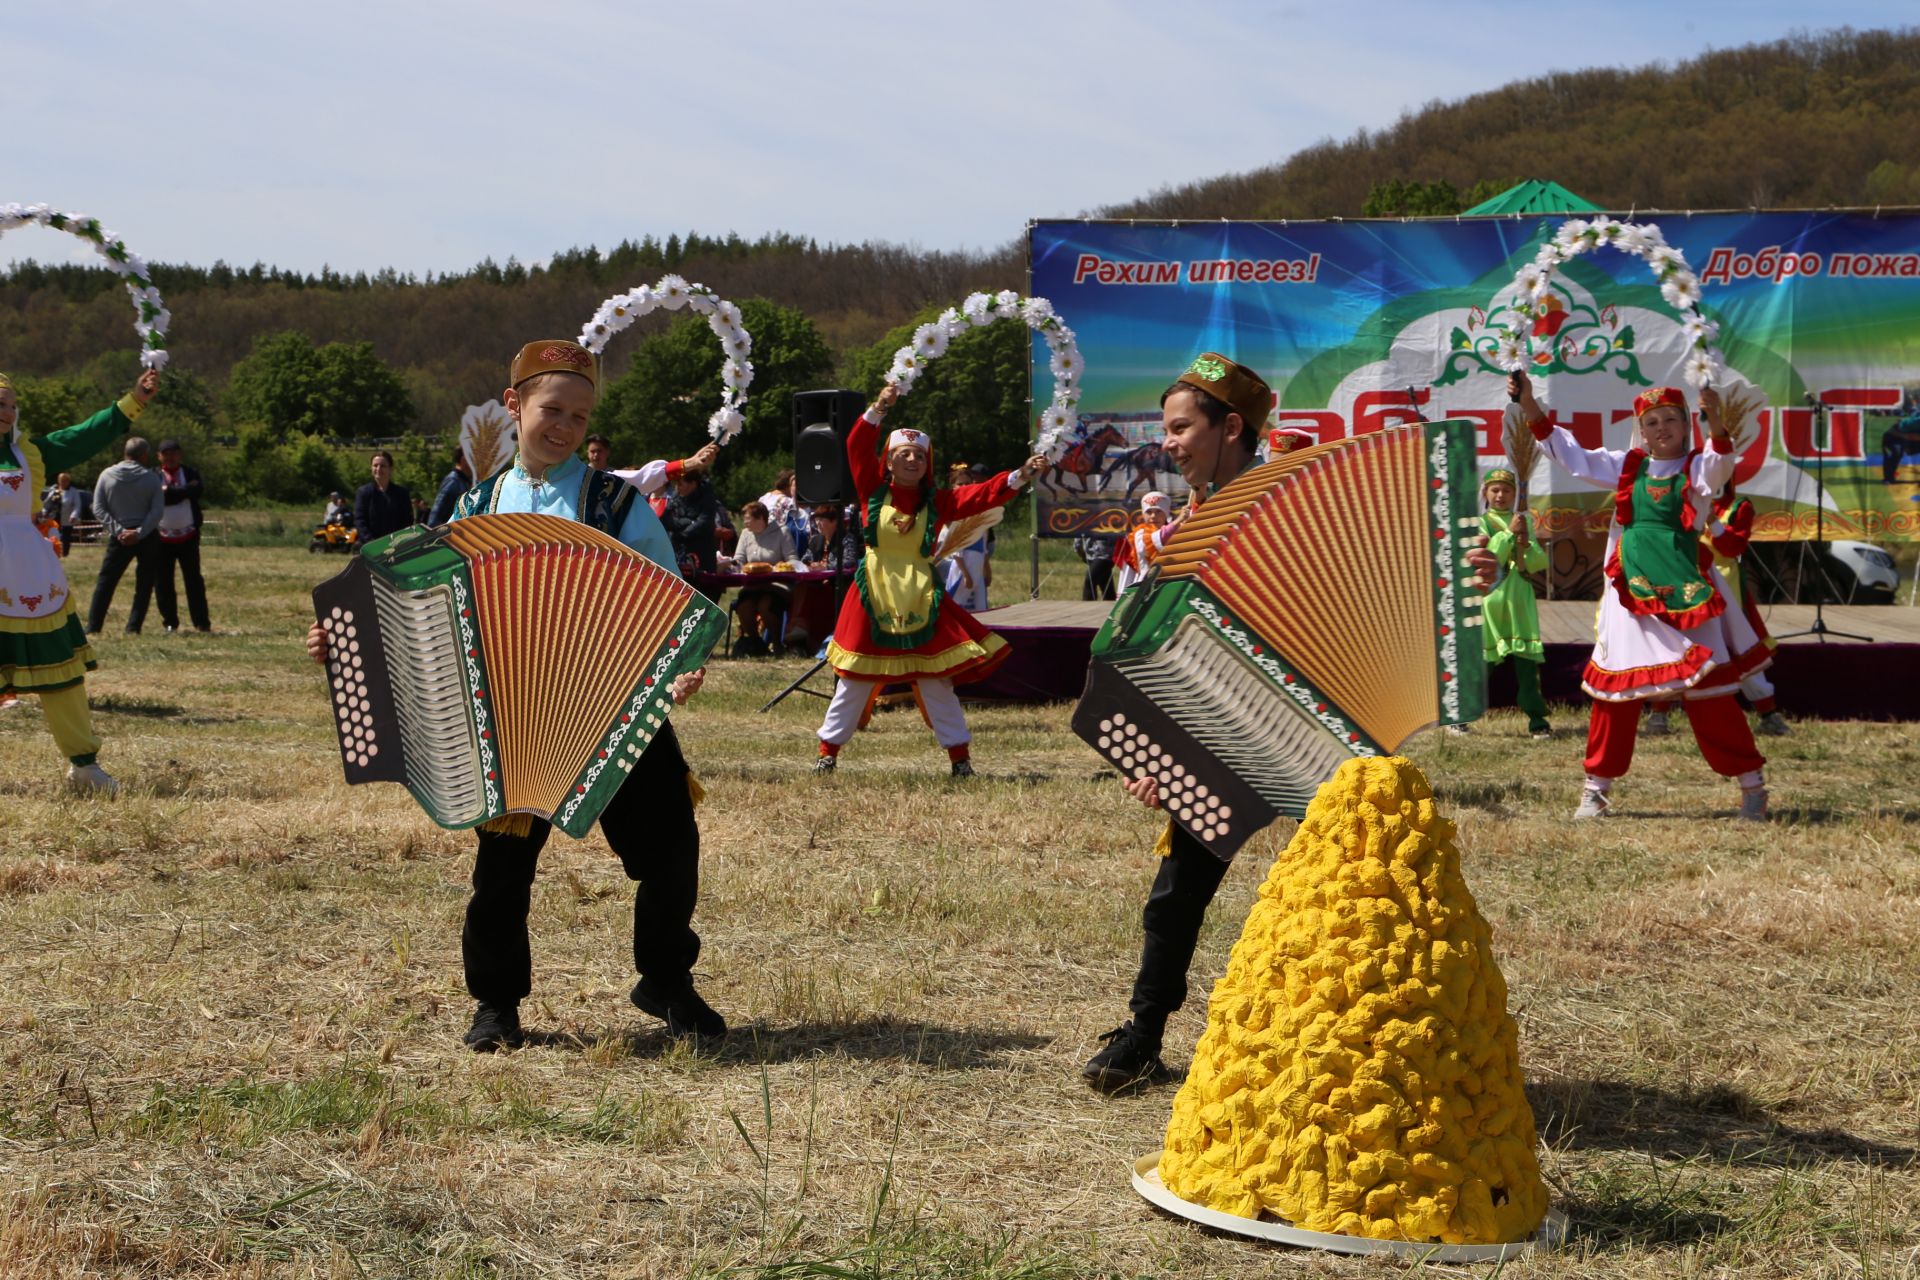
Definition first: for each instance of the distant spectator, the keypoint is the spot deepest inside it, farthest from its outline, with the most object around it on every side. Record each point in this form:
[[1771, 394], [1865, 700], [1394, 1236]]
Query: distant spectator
[[759, 608], [179, 535], [129, 500], [784, 511], [693, 518], [1097, 550], [62, 505], [338, 512], [599, 453], [834, 546], [457, 482], [381, 506]]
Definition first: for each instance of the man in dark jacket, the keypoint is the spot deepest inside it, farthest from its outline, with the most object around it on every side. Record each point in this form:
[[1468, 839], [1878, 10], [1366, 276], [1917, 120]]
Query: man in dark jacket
[[693, 517], [381, 506], [179, 541], [457, 482]]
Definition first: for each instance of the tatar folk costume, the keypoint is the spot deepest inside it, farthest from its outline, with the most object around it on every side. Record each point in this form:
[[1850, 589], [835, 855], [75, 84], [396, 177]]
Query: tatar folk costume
[[1510, 615], [43, 648], [1141, 547], [1189, 873], [1666, 628], [1722, 544], [649, 823], [898, 625]]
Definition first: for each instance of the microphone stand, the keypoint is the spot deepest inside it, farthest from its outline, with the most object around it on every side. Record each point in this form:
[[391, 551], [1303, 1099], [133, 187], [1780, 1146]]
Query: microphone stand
[[1821, 426]]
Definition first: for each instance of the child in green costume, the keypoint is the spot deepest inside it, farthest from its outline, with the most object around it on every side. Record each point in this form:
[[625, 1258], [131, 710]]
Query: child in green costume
[[1511, 619]]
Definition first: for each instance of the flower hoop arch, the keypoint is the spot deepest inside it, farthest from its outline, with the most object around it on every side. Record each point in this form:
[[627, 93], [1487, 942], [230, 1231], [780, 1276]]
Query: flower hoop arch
[[151, 316], [1678, 285], [930, 342], [672, 293]]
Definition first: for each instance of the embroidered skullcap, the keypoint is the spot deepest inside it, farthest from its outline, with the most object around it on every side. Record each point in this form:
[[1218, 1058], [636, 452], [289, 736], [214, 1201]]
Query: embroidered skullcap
[[1500, 475], [908, 438], [1657, 397], [554, 355], [1156, 501], [1286, 439], [1244, 391]]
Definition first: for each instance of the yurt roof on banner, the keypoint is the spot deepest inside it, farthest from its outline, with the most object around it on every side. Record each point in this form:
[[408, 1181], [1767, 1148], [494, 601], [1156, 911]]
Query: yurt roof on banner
[[1535, 196]]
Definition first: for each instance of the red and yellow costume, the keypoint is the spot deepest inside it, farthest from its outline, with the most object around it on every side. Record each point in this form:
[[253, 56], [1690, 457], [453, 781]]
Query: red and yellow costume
[[897, 624]]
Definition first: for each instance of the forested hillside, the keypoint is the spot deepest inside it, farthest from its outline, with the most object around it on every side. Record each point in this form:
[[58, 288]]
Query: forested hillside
[[1812, 120]]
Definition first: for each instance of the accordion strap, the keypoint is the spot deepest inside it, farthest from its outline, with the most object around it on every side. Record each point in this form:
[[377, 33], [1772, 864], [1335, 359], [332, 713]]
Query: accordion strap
[[604, 500]]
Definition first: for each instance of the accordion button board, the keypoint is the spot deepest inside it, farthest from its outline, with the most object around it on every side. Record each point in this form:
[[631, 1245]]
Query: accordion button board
[[1318, 608], [506, 664]]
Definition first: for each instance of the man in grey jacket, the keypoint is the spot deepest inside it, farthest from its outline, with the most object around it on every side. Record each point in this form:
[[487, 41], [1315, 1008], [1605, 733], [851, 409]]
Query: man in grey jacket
[[129, 499]]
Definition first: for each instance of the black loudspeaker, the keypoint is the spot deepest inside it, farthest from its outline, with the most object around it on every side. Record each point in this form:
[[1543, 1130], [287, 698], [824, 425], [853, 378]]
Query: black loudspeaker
[[821, 420]]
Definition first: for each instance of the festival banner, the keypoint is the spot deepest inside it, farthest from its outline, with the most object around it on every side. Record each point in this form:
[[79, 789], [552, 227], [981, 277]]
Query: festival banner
[[1363, 324]]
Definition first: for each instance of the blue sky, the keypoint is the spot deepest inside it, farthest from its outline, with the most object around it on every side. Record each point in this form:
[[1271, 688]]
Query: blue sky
[[427, 136]]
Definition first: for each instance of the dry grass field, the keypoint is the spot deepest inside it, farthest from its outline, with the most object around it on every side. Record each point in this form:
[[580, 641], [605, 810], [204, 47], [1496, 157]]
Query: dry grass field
[[230, 1002]]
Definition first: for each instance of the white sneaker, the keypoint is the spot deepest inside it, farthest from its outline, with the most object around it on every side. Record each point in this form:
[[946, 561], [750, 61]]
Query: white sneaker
[[1773, 725], [1753, 804], [91, 777], [1593, 804], [1657, 724]]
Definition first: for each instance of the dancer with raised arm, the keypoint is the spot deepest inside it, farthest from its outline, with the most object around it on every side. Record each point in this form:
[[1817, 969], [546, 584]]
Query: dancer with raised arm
[[1666, 629]]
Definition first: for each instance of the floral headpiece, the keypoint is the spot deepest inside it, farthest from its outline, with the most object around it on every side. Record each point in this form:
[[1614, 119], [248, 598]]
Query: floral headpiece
[[1659, 397], [908, 438]]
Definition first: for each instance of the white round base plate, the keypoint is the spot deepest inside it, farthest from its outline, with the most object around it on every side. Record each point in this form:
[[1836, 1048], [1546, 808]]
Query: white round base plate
[[1146, 1180]]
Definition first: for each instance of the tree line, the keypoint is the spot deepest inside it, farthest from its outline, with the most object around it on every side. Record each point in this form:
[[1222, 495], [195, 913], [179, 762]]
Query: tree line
[[275, 372]]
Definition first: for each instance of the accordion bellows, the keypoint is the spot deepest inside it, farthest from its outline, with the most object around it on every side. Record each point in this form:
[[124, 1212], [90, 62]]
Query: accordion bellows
[[506, 664], [1309, 612]]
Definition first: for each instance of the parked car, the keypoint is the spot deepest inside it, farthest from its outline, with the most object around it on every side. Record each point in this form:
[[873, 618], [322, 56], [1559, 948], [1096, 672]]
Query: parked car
[[1861, 573]]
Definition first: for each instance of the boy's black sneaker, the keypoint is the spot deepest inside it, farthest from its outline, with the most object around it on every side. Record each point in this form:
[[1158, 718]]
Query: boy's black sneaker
[[1130, 1059], [495, 1028], [681, 1008], [963, 768]]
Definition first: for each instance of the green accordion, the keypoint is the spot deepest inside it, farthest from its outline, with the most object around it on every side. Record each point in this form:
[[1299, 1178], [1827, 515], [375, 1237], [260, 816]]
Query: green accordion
[[506, 664]]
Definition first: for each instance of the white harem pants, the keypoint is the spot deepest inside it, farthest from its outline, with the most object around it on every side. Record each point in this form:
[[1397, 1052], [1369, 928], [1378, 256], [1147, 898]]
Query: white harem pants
[[938, 703]]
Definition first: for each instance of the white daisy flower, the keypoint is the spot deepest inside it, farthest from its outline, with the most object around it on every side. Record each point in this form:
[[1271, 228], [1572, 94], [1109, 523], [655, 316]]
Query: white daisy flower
[[930, 341], [1650, 235], [1066, 365], [643, 299], [1510, 353], [153, 358], [1036, 311], [1700, 369], [738, 344], [737, 374], [978, 309], [1665, 259], [724, 425], [672, 292], [1570, 232], [703, 303], [1006, 300], [728, 314], [1681, 290], [1699, 330]]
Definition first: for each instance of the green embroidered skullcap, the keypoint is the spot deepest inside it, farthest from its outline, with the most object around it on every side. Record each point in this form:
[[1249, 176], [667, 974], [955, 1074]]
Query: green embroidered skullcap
[[1238, 387], [1500, 475]]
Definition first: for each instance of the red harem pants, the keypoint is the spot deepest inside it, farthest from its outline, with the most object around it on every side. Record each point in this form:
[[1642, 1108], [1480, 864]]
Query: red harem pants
[[1719, 726]]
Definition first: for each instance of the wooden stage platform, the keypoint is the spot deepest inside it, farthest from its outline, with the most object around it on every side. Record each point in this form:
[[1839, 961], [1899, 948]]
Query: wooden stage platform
[[1835, 679]]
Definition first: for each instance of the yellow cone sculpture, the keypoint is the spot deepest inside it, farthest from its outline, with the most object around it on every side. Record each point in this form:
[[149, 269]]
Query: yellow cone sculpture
[[1359, 1073]]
